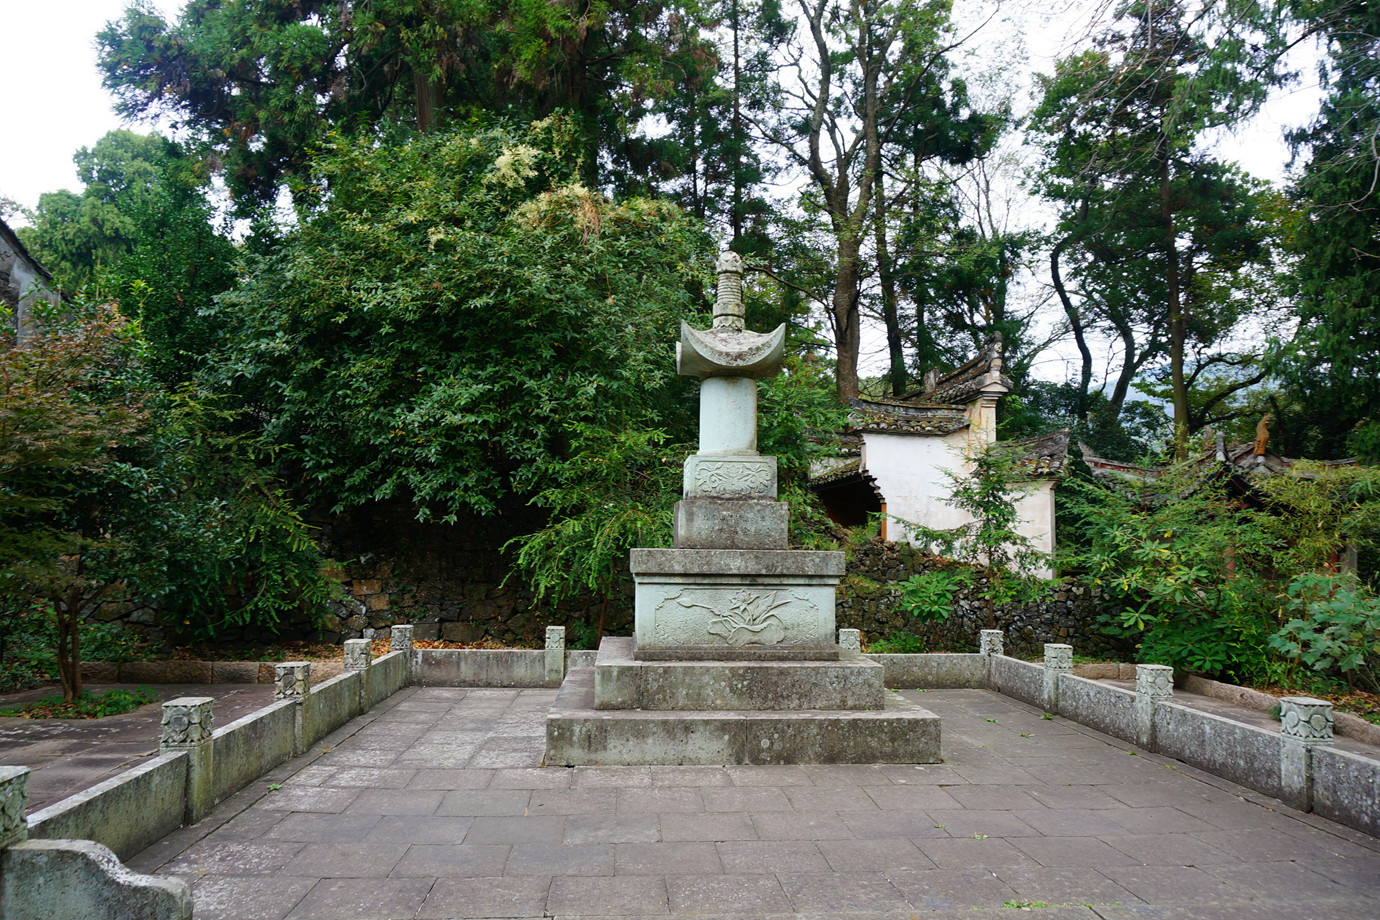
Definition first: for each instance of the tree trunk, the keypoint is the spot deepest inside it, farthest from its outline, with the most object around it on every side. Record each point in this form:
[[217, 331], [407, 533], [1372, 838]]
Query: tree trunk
[[844, 313], [1178, 327], [886, 275], [1080, 409], [67, 617]]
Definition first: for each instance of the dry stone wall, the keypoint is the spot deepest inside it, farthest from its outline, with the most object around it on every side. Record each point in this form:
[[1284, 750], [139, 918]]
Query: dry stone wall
[[869, 600]]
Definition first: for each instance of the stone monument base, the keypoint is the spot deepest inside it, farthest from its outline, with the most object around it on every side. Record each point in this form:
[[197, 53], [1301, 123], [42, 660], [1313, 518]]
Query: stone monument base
[[629, 711]]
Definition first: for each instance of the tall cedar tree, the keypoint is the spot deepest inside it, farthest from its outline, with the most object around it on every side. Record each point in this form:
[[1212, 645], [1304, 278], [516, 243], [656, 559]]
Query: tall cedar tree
[[1151, 225]]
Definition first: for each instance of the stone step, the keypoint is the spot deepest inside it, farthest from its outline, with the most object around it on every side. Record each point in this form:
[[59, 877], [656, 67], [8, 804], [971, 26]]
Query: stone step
[[578, 734], [622, 681]]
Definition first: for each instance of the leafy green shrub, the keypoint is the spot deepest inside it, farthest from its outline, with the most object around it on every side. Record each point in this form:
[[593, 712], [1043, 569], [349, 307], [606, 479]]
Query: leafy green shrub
[[1336, 628], [1184, 569], [113, 702]]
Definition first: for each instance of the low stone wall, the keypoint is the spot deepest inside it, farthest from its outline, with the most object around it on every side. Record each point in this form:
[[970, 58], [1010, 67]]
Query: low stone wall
[[932, 672], [868, 600], [1241, 753], [1018, 679], [480, 668], [1110, 710], [1346, 789], [248, 748], [126, 813], [200, 767]]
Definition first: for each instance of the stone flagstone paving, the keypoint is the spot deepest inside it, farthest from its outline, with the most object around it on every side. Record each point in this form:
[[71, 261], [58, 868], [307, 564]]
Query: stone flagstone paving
[[433, 806]]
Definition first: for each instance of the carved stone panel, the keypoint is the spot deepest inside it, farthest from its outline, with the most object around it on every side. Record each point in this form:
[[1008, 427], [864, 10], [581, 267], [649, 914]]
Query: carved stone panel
[[1058, 657], [991, 642], [400, 639], [727, 616], [187, 722], [730, 477]]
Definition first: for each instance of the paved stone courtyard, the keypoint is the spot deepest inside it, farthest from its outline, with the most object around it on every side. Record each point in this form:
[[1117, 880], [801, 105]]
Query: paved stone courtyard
[[433, 806]]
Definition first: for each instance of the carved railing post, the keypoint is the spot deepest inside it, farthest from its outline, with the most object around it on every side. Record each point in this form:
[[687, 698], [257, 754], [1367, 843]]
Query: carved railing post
[[1154, 685], [850, 640], [1058, 662], [555, 655], [292, 681], [187, 726], [14, 795], [400, 640], [359, 656], [989, 647], [1304, 723]]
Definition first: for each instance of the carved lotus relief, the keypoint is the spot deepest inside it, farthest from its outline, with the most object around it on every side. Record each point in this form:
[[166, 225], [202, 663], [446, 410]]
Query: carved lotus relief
[[744, 618]]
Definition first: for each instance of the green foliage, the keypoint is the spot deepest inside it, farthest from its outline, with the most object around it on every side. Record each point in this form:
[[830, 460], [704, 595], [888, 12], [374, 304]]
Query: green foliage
[[1316, 511], [1335, 629], [614, 494], [456, 321], [113, 702], [1184, 569], [929, 596], [116, 489], [260, 83], [1328, 368]]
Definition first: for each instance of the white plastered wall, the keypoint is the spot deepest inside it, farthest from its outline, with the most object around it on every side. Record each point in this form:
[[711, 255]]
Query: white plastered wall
[[910, 473]]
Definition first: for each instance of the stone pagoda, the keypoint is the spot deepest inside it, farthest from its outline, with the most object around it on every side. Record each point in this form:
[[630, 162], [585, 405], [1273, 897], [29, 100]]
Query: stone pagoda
[[734, 658]]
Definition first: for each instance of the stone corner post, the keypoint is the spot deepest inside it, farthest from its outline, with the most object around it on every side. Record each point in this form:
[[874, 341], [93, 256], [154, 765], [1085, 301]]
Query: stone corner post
[[555, 655], [400, 640], [187, 726], [14, 795], [359, 656], [1304, 723], [292, 681], [1154, 685], [850, 640], [990, 645], [1058, 662]]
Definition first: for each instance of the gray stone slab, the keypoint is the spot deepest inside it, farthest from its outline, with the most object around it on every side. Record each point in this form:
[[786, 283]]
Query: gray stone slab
[[711, 524], [334, 898], [614, 897], [750, 895], [486, 897]]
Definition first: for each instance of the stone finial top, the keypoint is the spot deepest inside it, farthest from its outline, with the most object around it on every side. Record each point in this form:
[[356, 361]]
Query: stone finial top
[[187, 722], [1155, 681], [1058, 656], [555, 638], [400, 639], [991, 642], [1304, 719], [728, 306], [358, 654], [292, 680]]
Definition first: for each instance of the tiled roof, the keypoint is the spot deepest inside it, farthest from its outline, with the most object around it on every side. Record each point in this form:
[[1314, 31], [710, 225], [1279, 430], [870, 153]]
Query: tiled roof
[[963, 384], [1043, 457], [905, 417]]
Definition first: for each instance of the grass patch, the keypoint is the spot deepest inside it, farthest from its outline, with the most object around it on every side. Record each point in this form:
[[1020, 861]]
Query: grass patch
[[87, 705]]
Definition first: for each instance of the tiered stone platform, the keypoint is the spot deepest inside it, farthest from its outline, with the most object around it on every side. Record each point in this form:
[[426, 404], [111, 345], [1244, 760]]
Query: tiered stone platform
[[626, 711]]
